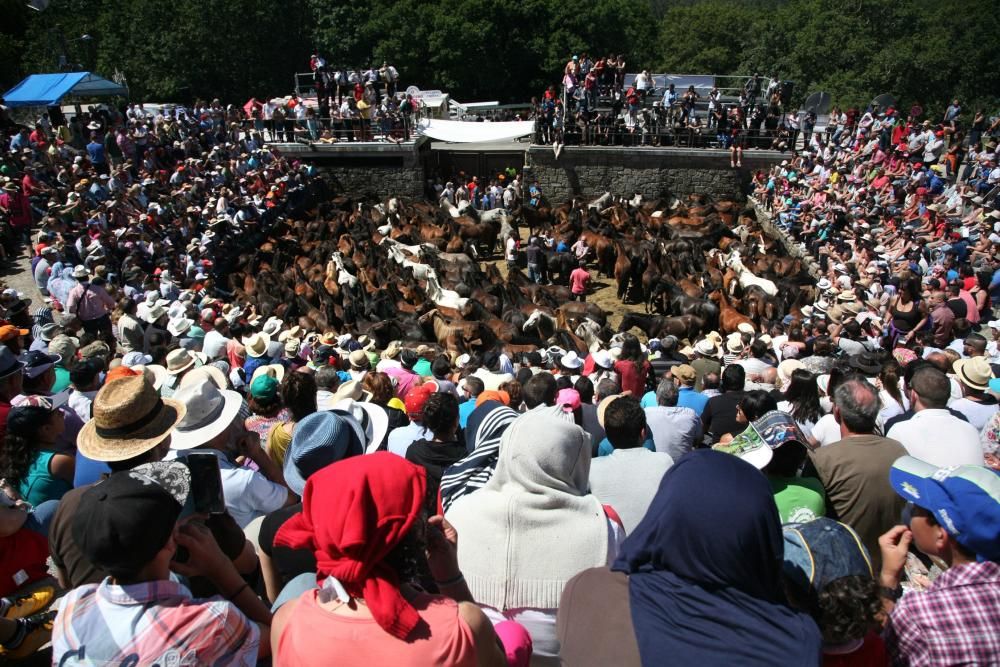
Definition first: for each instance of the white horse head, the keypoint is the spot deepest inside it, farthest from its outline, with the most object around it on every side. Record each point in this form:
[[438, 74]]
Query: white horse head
[[532, 320]]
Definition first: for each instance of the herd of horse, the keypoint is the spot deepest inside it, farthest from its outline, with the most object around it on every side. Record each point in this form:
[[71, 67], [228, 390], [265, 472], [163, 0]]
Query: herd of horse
[[415, 271]]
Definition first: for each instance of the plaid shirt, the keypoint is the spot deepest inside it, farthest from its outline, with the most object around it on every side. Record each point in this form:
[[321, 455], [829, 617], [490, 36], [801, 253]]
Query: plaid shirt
[[155, 622], [956, 621]]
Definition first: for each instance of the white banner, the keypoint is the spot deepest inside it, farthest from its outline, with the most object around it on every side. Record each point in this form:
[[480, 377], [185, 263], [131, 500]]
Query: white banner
[[457, 131]]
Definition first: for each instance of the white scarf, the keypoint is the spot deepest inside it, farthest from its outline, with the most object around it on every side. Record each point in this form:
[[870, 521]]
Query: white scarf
[[534, 525]]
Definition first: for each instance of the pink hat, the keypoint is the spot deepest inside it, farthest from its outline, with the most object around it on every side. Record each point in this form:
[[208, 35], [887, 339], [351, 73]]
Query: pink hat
[[568, 399]]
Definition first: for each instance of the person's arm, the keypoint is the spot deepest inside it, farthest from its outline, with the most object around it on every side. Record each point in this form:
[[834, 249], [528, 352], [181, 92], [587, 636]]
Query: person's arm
[[249, 446], [442, 560], [63, 467], [205, 558], [489, 651], [894, 545]]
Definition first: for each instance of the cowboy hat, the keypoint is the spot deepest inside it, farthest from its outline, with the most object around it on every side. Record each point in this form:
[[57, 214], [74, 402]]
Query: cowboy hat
[[129, 418], [602, 359], [706, 347], [351, 389], [155, 313], [180, 360], [210, 411], [571, 360], [177, 327], [294, 332], [272, 326], [257, 344], [373, 419], [206, 372], [867, 363], [734, 344], [80, 272]]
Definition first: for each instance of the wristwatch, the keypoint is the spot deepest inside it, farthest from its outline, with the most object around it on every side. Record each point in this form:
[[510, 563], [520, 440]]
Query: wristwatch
[[892, 594]]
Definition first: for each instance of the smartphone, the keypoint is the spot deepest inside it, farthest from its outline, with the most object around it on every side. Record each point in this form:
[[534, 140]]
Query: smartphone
[[206, 483]]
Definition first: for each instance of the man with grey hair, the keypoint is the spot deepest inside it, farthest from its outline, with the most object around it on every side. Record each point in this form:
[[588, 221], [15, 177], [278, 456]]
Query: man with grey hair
[[854, 471], [327, 381], [674, 429]]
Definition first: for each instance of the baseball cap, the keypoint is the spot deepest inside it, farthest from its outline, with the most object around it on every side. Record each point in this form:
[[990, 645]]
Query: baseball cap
[[264, 387], [37, 362], [124, 521], [820, 551], [965, 500], [417, 397], [10, 332], [50, 403]]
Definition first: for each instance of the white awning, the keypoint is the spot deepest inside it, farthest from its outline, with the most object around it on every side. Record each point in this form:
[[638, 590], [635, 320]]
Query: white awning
[[461, 132]]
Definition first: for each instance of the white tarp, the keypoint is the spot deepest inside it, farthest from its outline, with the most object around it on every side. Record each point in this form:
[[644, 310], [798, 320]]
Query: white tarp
[[457, 131]]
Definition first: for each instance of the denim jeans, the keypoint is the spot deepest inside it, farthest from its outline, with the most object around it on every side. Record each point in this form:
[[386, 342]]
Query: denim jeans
[[41, 516], [534, 273], [294, 588]]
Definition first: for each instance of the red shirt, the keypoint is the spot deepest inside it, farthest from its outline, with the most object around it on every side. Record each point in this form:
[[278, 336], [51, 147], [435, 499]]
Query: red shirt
[[631, 378], [578, 280]]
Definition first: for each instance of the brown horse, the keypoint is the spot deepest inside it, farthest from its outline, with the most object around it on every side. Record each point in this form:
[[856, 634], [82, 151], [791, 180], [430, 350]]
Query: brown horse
[[729, 318]]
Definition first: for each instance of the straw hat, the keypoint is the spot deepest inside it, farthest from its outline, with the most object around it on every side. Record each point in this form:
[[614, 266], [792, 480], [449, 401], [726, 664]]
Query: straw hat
[[734, 344], [351, 389], [392, 351], [179, 326], [257, 344], [129, 418], [974, 372], [277, 371], [294, 332]]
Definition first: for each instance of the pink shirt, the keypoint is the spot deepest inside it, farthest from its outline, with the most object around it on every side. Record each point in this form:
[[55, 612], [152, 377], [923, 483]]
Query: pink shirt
[[315, 636], [578, 280], [89, 302]]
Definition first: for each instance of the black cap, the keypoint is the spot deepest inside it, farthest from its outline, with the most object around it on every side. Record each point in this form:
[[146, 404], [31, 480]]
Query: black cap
[[124, 521]]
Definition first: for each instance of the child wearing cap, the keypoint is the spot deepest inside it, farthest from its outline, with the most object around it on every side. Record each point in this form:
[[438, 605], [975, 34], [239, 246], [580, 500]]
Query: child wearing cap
[[828, 573], [953, 515]]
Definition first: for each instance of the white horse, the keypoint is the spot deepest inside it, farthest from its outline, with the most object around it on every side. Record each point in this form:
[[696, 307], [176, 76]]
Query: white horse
[[588, 331], [343, 277], [747, 279], [443, 297], [395, 250], [601, 202]]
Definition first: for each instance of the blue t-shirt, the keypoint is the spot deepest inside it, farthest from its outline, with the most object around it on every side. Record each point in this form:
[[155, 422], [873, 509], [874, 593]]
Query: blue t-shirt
[[464, 410], [648, 400], [88, 471], [689, 398]]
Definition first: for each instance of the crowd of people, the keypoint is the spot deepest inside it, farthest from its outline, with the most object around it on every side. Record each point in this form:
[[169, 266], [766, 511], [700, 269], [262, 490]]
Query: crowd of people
[[198, 482]]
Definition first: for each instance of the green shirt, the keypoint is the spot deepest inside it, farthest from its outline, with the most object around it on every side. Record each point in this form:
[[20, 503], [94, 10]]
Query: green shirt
[[422, 367], [62, 380], [799, 499]]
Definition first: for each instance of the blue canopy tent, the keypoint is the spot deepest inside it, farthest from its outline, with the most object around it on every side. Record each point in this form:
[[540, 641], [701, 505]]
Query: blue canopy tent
[[48, 89]]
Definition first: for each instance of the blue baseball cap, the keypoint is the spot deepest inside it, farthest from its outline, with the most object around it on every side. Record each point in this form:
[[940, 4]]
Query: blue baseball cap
[[965, 500], [820, 551]]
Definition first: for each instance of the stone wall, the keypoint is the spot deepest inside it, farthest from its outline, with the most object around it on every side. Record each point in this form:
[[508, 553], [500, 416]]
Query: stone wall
[[592, 171], [382, 170], [382, 182]]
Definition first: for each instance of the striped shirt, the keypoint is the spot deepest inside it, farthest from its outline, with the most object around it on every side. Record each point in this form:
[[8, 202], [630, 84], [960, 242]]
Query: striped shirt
[[154, 622]]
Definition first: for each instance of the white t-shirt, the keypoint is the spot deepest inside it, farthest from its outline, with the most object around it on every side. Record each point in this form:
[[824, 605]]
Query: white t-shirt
[[939, 438]]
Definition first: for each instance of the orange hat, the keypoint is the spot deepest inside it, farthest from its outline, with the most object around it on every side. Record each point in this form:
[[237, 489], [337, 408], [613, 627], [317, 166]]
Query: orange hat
[[10, 332], [491, 395], [120, 372]]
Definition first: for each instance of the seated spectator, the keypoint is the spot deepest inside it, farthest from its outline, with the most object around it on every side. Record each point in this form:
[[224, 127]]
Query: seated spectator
[[537, 498], [298, 395], [401, 438], [443, 448], [128, 526], [266, 408], [830, 576], [700, 575], [628, 477], [675, 430], [322, 438], [487, 424], [719, 416], [976, 404], [471, 387], [30, 462], [363, 517], [211, 424], [954, 518], [933, 434]]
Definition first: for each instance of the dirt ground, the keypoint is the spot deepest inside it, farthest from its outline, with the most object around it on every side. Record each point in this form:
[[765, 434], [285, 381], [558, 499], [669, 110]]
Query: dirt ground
[[603, 290]]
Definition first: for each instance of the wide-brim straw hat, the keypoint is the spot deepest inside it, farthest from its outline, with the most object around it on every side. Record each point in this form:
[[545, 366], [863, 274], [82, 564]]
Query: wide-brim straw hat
[[277, 371], [129, 419], [207, 372], [257, 344]]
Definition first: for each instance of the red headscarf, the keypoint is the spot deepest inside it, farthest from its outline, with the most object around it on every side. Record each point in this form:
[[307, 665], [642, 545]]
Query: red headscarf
[[354, 512]]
